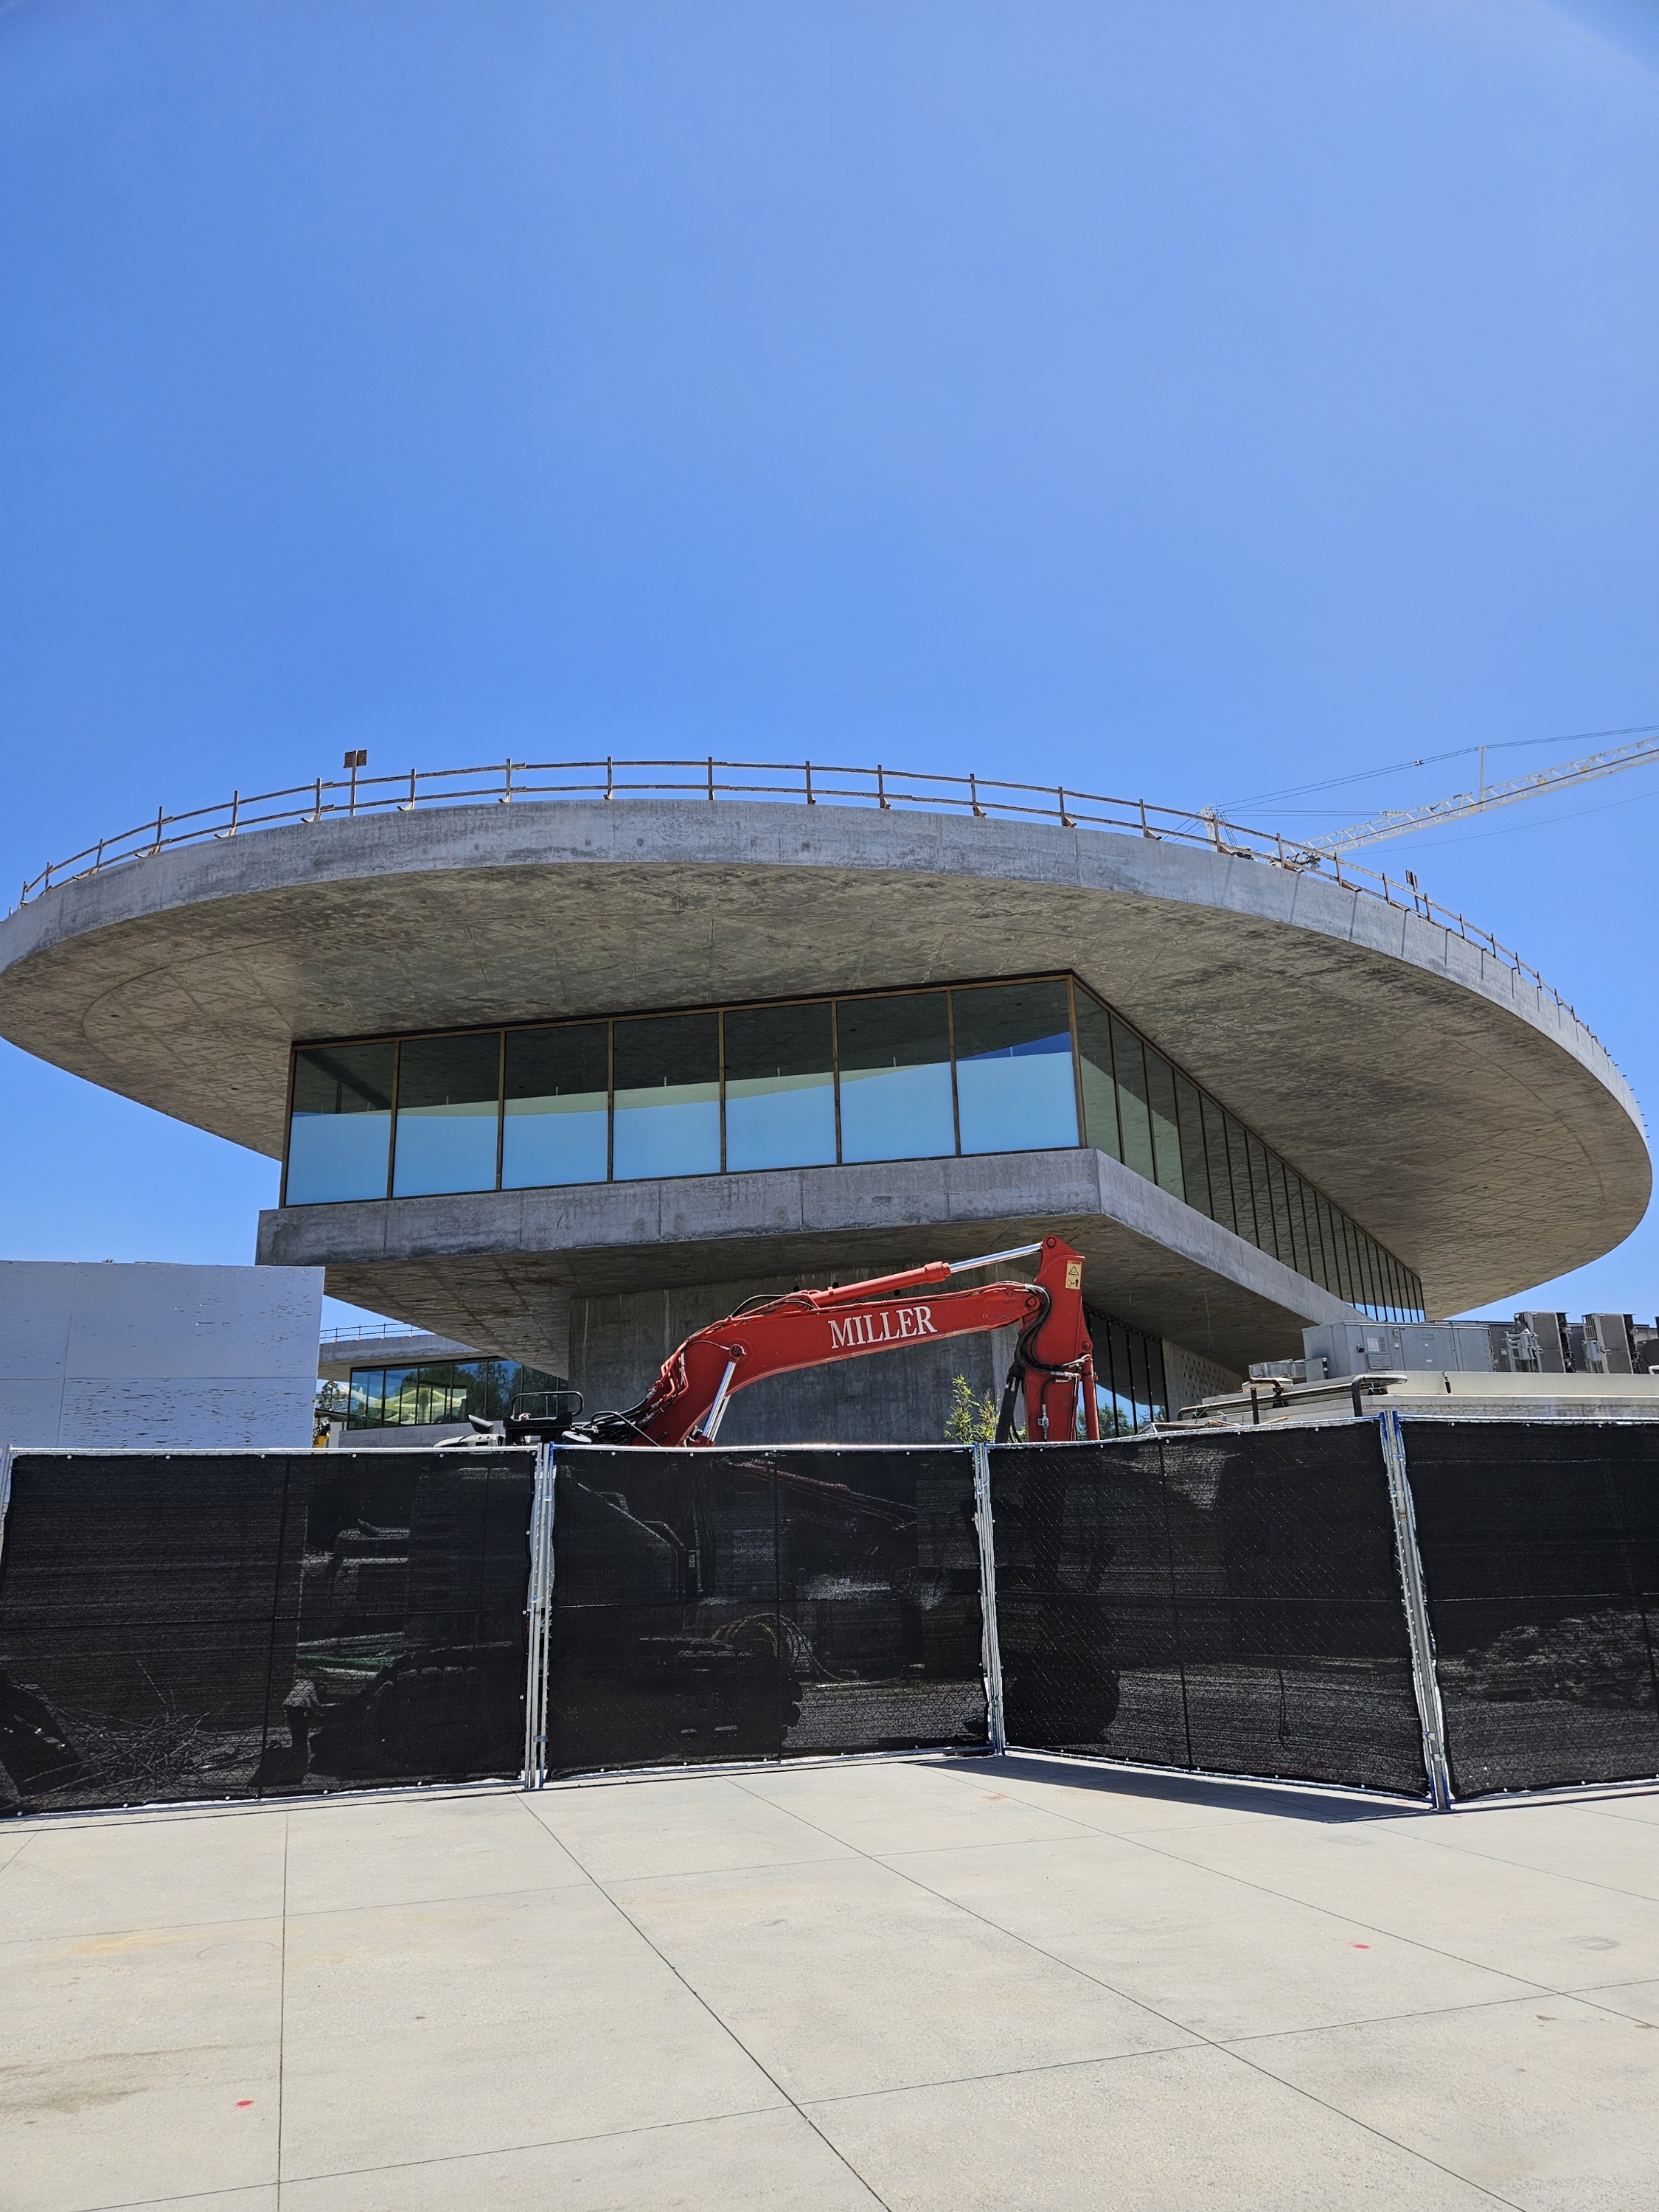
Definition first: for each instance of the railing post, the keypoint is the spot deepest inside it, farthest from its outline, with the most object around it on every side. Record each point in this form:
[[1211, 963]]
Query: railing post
[[973, 797], [1065, 821], [1419, 1633], [983, 1528], [156, 846], [609, 788], [881, 786], [711, 779], [811, 801], [538, 1610]]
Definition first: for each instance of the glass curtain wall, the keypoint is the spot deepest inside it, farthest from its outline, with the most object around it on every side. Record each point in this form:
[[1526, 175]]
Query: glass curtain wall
[[1033, 1066], [441, 1390]]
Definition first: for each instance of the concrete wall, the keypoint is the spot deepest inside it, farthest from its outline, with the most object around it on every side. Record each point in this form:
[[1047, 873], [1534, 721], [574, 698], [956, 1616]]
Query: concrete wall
[[1191, 1377], [150, 1356]]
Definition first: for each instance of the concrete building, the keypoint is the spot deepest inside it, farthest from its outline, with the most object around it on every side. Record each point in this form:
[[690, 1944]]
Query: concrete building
[[94, 1355], [568, 1078]]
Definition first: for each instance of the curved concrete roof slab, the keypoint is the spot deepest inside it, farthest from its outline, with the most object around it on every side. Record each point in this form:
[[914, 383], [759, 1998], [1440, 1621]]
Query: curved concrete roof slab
[[1454, 1108]]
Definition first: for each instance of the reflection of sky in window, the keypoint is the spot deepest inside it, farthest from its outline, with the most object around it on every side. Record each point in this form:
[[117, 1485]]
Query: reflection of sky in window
[[674, 1130], [553, 1140], [444, 1148], [1021, 1099], [896, 1113], [337, 1156], [780, 1088], [555, 1128], [448, 1091], [788, 1122]]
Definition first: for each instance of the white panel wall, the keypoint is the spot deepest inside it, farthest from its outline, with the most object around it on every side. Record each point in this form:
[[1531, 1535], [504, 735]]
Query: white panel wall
[[148, 1356]]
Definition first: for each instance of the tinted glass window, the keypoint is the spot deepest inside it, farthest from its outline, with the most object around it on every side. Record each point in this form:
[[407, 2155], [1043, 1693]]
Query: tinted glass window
[[667, 1074], [1094, 1048], [363, 1405], [341, 1126], [556, 1127], [1215, 1155], [447, 1101], [895, 1077], [1132, 1109], [780, 1088], [1190, 1113], [1166, 1130], [1015, 1088]]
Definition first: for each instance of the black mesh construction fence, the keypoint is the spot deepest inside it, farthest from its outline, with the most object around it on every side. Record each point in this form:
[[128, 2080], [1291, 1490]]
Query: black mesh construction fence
[[1227, 1602], [1540, 1544], [243, 1624], [762, 1604]]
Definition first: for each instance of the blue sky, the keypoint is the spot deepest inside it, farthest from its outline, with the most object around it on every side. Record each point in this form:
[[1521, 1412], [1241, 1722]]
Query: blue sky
[[1178, 398]]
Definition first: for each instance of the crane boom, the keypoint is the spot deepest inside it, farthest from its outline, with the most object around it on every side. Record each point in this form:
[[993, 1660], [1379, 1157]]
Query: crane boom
[[1398, 822]]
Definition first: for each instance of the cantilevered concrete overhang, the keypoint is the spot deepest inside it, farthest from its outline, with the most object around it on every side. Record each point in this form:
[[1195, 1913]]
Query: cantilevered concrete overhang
[[503, 1268], [1452, 1106]]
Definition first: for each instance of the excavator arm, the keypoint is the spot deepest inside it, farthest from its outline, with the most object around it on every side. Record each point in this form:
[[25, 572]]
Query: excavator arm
[[1053, 1367]]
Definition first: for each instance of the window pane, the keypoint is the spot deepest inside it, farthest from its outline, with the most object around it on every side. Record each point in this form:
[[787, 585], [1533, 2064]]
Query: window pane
[[668, 1097], [556, 1127], [780, 1088], [1094, 1048], [895, 1077], [1238, 1160], [1132, 1106], [1221, 1181], [1015, 1088], [367, 1389], [1281, 1204], [448, 1099], [1263, 1196], [1190, 1113], [401, 1384], [341, 1123], [1166, 1129]]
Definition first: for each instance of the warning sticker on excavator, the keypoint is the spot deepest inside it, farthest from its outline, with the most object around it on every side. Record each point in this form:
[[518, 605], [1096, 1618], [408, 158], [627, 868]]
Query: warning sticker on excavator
[[1074, 1274]]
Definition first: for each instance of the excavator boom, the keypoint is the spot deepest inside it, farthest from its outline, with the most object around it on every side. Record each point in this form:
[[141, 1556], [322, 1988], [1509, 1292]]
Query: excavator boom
[[1054, 1365]]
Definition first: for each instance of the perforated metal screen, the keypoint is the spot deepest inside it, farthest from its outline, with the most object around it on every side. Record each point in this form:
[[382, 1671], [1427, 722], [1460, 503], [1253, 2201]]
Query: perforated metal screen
[[1539, 1543], [718, 1605], [1229, 1603]]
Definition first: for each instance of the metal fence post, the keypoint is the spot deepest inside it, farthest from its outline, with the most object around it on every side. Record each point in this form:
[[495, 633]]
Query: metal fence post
[[988, 1597], [538, 1611], [1419, 1633]]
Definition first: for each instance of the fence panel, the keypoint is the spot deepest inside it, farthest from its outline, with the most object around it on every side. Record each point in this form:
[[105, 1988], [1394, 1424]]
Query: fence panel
[[408, 1645], [242, 1623], [1229, 1604], [1540, 1542], [726, 1605], [148, 1619]]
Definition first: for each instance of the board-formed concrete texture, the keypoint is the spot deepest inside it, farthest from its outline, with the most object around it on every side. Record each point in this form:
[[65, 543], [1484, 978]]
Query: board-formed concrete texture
[[101, 1355], [950, 1985], [1454, 1108]]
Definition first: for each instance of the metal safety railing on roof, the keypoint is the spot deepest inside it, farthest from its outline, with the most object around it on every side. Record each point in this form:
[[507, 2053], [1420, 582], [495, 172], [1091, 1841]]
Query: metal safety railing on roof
[[809, 783]]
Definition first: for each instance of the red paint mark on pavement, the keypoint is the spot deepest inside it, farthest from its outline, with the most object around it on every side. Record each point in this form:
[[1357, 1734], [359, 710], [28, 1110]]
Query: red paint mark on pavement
[[242, 2103], [1359, 1947]]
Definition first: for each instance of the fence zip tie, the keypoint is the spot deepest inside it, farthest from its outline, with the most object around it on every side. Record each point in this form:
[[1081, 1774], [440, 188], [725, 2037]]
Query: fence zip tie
[[1417, 1631], [986, 1532], [538, 1621]]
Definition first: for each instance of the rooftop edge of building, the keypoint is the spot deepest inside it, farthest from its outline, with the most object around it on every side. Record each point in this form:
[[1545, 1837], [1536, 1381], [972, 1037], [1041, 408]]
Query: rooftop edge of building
[[1454, 1106]]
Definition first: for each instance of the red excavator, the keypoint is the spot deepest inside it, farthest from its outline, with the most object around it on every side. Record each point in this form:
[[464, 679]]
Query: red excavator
[[1053, 1367]]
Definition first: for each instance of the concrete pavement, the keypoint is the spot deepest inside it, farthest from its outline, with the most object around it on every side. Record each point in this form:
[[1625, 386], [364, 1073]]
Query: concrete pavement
[[927, 1985]]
